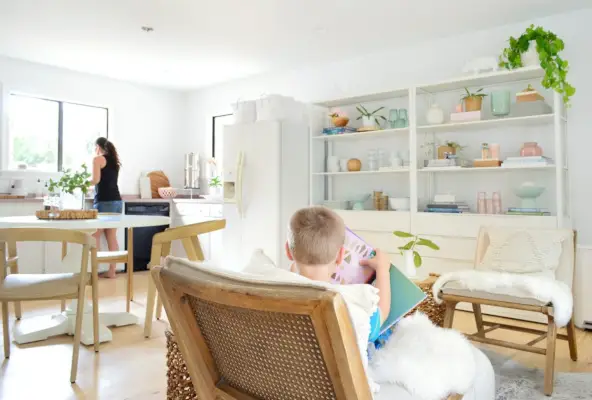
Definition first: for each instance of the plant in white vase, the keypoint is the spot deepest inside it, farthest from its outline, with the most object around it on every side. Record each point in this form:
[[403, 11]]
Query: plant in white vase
[[411, 257], [370, 119], [216, 185], [73, 187]]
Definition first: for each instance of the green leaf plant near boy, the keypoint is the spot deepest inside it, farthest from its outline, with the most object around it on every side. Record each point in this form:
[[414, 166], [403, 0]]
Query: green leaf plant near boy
[[414, 242], [70, 181]]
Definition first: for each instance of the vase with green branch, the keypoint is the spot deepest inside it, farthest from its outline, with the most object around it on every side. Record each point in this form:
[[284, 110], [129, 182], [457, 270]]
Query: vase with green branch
[[370, 119], [72, 187], [410, 253], [215, 185]]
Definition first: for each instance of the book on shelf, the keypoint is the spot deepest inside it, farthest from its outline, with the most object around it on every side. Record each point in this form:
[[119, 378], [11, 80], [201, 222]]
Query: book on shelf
[[519, 209], [444, 210], [449, 205], [405, 294], [338, 130], [536, 213]]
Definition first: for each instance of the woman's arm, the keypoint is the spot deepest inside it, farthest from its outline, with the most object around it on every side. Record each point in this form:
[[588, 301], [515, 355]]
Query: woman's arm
[[98, 163]]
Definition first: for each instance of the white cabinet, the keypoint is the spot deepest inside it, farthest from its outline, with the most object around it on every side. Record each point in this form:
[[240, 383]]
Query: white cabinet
[[193, 213]]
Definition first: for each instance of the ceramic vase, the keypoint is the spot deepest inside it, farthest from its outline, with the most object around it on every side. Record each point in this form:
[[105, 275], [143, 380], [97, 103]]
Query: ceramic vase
[[531, 149], [531, 57], [500, 103], [410, 269], [332, 164], [435, 115], [368, 122]]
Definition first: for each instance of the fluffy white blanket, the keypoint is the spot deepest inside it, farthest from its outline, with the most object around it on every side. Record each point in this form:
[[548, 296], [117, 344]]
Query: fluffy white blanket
[[428, 361], [544, 289]]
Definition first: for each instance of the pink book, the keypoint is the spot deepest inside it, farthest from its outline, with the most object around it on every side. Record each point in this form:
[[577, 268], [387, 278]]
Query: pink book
[[349, 271]]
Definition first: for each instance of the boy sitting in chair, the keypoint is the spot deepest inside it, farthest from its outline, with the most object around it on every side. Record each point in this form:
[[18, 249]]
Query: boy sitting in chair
[[315, 245]]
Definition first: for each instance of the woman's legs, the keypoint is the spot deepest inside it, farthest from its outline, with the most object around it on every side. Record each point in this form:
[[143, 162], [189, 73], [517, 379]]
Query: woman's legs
[[111, 235]]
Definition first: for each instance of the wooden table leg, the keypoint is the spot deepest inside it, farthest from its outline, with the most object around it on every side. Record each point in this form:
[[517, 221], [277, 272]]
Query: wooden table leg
[[130, 268], [64, 254]]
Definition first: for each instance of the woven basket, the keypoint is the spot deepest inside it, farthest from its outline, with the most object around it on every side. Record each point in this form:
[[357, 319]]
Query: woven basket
[[179, 386]]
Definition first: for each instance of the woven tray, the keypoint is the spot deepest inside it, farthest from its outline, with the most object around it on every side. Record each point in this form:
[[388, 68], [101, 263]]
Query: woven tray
[[179, 386], [68, 214]]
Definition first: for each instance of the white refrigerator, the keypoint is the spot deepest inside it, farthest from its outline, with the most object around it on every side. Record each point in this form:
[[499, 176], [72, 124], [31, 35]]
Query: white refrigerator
[[266, 179]]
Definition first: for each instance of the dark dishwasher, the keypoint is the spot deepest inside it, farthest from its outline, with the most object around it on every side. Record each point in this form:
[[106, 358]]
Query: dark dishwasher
[[143, 236]]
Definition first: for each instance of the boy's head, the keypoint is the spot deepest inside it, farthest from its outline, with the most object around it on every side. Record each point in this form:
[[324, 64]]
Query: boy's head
[[315, 238]]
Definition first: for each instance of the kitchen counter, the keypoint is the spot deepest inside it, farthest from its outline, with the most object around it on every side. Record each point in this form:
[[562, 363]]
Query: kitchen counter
[[128, 198]]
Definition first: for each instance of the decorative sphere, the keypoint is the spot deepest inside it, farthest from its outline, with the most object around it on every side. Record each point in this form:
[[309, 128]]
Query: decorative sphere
[[354, 164]]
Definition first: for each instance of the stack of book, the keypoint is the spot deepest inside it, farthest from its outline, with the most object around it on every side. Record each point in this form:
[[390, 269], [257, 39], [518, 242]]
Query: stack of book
[[528, 211], [533, 161], [338, 130], [449, 208]]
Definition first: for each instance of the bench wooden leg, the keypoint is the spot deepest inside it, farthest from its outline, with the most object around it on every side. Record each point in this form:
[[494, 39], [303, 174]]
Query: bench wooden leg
[[571, 340], [550, 355], [449, 314], [478, 319]]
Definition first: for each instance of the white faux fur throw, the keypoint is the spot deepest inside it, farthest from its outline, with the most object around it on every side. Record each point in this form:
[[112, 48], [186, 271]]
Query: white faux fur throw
[[428, 361], [544, 289]]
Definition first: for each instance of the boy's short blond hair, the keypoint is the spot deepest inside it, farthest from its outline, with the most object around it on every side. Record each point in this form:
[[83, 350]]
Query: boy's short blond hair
[[316, 235]]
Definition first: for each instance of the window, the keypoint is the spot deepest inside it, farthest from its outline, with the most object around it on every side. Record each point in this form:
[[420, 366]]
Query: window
[[51, 135], [218, 123]]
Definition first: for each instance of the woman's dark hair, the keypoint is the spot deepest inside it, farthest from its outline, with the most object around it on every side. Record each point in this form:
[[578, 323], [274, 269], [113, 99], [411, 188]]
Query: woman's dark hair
[[109, 149]]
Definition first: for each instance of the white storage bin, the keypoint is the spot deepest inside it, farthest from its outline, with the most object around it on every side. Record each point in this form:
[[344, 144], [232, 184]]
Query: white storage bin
[[245, 111]]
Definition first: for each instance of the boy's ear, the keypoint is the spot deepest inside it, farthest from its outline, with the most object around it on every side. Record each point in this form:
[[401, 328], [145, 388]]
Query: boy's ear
[[288, 252], [340, 254]]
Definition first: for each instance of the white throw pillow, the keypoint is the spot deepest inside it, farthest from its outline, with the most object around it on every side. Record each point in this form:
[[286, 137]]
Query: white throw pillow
[[522, 251]]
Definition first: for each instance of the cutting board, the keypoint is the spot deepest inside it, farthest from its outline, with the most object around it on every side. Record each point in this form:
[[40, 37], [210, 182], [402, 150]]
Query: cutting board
[[157, 180]]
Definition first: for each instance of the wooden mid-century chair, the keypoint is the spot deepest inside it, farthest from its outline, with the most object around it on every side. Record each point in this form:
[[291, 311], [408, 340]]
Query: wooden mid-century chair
[[452, 294], [245, 341], [27, 287], [161, 247]]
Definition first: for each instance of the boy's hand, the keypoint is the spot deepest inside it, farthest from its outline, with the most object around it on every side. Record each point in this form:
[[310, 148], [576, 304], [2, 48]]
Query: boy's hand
[[379, 263]]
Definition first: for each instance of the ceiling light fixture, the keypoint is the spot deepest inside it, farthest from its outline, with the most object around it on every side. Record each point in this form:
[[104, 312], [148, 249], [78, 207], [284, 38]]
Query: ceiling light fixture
[[148, 29]]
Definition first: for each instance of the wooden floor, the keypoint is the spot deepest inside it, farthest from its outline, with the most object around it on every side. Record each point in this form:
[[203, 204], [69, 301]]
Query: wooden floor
[[132, 367]]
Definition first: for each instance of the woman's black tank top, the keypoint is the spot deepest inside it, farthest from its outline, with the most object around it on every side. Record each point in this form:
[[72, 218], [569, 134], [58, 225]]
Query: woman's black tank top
[[107, 189]]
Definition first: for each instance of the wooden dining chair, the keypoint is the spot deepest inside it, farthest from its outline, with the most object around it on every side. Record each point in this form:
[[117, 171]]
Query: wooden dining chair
[[12, 265], [161, 247], [18, 287]]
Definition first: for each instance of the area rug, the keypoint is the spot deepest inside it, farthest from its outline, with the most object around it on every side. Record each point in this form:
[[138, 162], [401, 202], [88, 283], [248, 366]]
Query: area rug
[[516, 382]]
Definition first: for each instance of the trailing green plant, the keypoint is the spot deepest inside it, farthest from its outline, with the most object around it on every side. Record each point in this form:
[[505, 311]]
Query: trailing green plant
[[478, 93], [215, 182], [415, 241], [548, 47], [365, 113], [70, 181]]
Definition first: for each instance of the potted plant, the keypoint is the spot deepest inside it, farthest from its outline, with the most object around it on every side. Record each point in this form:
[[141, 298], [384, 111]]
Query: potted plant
[[216, 184], [72, 188], [339, 118], [448, 147], [411, 256], [370, 119], [473, 101], [538, 46]]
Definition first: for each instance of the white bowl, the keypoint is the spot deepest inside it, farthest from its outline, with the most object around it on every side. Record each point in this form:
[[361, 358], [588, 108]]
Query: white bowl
[[399, 203]]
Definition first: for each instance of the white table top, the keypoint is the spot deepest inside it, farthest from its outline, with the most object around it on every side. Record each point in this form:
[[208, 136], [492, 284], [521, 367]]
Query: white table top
[[103, 222]]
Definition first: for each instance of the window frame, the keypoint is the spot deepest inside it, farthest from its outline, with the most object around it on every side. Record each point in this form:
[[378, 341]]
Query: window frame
[[60, 155], [214, 131]]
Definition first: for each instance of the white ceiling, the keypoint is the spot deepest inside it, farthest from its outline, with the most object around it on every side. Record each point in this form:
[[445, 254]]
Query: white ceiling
[[201, 42]]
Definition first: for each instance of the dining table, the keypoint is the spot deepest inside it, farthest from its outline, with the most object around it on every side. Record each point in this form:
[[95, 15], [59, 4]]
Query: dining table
[[43, 327]]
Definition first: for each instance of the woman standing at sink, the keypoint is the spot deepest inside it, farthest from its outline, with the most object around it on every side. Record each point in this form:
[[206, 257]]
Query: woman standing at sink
[[105, 173]]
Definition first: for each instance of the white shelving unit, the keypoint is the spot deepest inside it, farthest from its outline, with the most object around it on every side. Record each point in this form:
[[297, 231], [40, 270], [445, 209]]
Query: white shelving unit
[[455, 233]]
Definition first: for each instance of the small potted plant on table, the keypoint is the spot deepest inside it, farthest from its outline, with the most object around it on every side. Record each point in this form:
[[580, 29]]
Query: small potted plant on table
[[411, 257], [72, 188]]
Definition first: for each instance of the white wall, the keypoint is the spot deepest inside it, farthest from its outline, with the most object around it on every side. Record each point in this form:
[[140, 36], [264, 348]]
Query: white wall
[[422, 63], [147, 125]]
